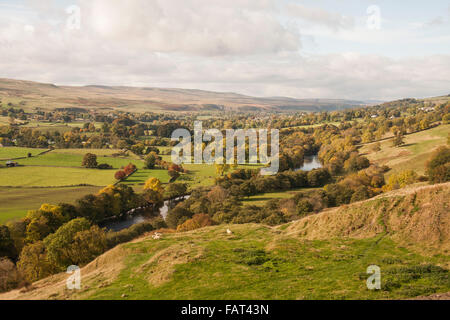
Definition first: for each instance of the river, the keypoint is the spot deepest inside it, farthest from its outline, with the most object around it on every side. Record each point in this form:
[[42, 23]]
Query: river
[[132, 219], [310, 163]]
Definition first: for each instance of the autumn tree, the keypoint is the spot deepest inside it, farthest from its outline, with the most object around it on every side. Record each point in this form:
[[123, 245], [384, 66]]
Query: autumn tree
[[174, 190], [87, 245], [153, 184], [33, 262], [120, 175], [174, 175], [153, 192], [10, 277], [438, 168], [221, 169], [150, 161], [89, 160], [59, 244], [7, 247], [47, 219], [217, 194], [129, 169], [400, 180], [398, 140]]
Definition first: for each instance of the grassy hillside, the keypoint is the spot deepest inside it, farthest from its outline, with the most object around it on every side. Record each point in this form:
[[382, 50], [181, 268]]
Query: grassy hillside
[[324, 256], [414, 154]]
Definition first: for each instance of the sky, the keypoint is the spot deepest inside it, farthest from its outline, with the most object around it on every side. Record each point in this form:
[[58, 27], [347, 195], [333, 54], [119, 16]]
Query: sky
[[361, 50]]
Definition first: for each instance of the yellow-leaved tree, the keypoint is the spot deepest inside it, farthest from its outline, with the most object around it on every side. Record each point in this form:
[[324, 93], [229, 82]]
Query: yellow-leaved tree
[[153, 192], [153, 184]]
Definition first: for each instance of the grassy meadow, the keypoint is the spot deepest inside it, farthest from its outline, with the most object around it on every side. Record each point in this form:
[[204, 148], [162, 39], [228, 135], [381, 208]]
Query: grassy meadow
[[413, 155], [58, 174], [15, 202], [54, 177], [7, 153], [74, 160]]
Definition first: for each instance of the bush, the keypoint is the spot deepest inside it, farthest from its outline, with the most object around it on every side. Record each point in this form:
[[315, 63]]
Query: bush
[[401, 180], [126, 235], [304, 207], [177, 216], [198, 221], [10, 277], [104, 166]]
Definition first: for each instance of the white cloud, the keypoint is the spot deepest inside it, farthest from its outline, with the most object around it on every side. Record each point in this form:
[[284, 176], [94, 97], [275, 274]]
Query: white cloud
[[246, 27], [319, 16], [222, 47]]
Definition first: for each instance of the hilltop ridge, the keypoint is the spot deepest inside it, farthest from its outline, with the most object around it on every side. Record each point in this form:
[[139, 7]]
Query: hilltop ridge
[[157, 99]]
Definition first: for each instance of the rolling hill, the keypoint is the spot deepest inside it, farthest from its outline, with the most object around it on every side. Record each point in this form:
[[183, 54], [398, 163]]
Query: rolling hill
[[324, 256], [50, 96]]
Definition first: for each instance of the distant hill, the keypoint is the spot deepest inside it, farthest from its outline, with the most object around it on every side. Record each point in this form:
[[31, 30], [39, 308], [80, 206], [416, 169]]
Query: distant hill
[[324, 256], [50, 96]]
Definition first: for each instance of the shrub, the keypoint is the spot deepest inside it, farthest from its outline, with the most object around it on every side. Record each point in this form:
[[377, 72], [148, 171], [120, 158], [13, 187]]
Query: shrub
[[174, 190], [198, 221], [126, 235], [400, 180], [10, 277], [177, 216], [174, 175], [304, 207], [104, 166]]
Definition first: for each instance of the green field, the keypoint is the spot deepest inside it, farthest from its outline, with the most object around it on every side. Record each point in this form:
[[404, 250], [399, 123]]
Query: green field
[[17, 201], [74, 160], [204, 174], [98, 152], [54, 177], [143, 174], [413, 155], [7, 153], [200, 174]]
